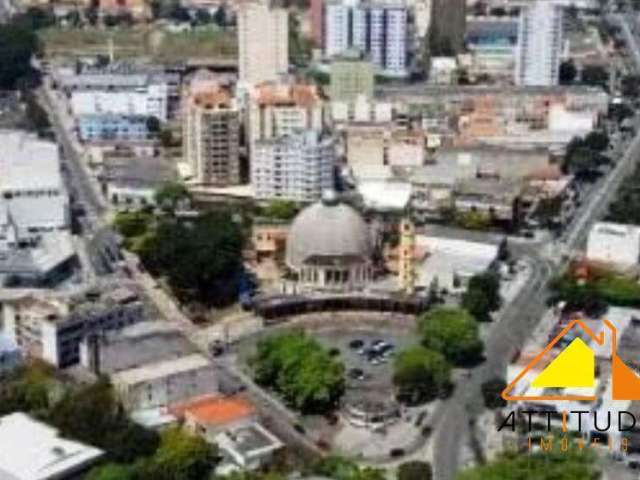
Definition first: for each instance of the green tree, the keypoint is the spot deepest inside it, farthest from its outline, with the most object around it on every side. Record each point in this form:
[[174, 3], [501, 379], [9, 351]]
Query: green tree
[[170, 195], [569, 465], [299, 46], [280, 209], [181, 456], [568, 72], [630, 86], [452, 332], [92, 415], [477, 304], [220, 17], [491, 393], [595, 75], [113, 471], [597, 141], [37, 118], [201, 258], [340, 468], [473, 220], [17, 45], [415, 470], [420, 375], [301, 370], [482, 296], [132, 224], [26, 389]]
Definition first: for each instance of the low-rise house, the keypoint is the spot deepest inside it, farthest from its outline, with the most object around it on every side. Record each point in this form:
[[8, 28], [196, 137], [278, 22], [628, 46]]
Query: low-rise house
[[232, 424], [41, 261], [615, 244], [51, 326], [156, 385], [112, 128], [31, 450], [497, 199], [450, 263], [151, 366], [131, 179]]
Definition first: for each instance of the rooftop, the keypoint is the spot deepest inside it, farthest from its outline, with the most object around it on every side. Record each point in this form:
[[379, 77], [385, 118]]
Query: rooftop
[[248, 441], [285, 95], [163, 368], [215, 409], [30, 450], [28, 162], [138, 171], [216, 97], [140, 344]]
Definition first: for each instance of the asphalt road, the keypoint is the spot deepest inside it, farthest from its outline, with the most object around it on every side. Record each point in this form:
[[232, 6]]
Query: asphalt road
[[521, 317], [87, 205]]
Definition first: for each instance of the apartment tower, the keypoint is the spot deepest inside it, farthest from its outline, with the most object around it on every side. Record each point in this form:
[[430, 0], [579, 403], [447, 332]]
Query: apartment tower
[[263, 43]]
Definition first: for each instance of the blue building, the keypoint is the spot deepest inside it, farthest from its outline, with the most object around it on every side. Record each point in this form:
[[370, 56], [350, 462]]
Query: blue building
[[94, 128], [10, 355]]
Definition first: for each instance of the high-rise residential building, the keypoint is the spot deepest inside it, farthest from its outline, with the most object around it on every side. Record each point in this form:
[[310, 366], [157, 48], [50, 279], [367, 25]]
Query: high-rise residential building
[[378, 30], [352, 76], [448, 26], [296, 167], [263, 43], [540, 43], [421, 16], [211, 137], [317, 20], [282, 109]]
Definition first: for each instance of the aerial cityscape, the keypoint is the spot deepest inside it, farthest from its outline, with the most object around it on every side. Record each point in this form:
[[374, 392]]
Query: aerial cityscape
[[319, 240]]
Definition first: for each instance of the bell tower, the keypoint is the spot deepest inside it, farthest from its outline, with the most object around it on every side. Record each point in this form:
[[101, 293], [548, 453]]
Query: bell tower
[[406, 256]]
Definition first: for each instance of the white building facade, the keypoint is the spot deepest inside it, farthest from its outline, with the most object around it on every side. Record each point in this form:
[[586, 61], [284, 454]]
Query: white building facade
[[296, 167], [149, 100], [52, 328], [33, 198], [540, 44], [263, 43], [615, 244], [379, 30]]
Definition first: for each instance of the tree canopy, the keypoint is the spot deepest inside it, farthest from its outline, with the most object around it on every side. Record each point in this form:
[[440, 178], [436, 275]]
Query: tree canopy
[[542, 466], [200, 258], [452, 332], [17, 45], [113, 471], [340, 468], [482, 296], [595, 75], [491, 393], [91, 414], [415, 470], [301, 370], [170, 195], [568, 72], [280, 210], [420, 375], [181, 456]]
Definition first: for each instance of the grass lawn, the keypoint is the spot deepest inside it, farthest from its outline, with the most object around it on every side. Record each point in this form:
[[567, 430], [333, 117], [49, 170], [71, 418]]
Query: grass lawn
[[160, 45]]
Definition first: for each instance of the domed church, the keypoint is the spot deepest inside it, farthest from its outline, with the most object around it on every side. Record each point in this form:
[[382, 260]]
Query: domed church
[[330, 247]]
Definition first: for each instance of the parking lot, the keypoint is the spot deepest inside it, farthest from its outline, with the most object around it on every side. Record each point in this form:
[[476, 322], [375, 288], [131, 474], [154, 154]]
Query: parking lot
[[368, 355]]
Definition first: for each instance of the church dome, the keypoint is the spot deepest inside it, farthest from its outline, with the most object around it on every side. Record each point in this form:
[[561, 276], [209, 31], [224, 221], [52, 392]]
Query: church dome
[[328, 233]]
